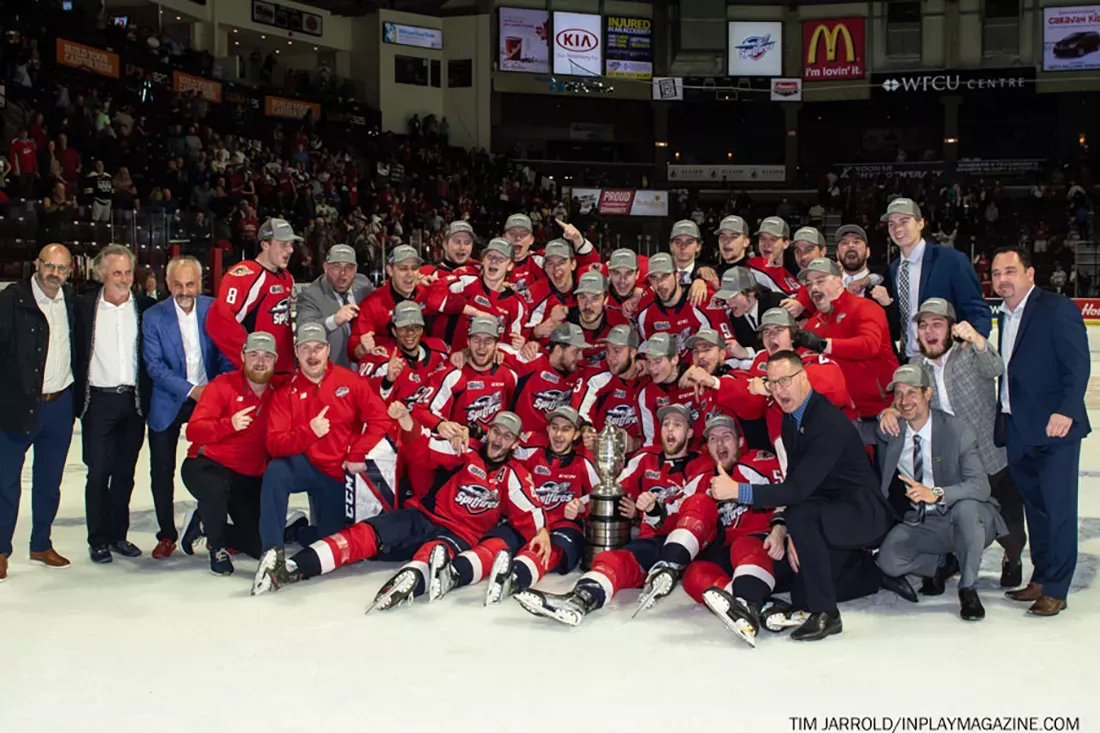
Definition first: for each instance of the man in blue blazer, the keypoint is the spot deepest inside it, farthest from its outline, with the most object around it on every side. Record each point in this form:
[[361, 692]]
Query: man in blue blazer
[[1045, 348], [181, 359], [926, 270]]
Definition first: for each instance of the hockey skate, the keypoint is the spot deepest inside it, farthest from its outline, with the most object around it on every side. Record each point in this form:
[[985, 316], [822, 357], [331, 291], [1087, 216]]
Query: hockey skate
[[740, 616], [565, 608], [441, 574], [778, 615], [502, 579], [659, 583], [274, 572], [397, 591]]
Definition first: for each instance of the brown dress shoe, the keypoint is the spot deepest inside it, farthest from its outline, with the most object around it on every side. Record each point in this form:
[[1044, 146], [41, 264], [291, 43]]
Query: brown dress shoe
[[1047, 606], [3, 568], [50, 559], [1030, 592]]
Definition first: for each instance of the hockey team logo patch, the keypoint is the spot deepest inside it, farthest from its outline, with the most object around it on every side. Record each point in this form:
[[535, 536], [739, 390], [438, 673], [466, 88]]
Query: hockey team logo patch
[[483, 408], [342, 391], [476, 498], [554, 493], [280, 313], [622, 416], [729, 513], [240, 270], [550, 399]]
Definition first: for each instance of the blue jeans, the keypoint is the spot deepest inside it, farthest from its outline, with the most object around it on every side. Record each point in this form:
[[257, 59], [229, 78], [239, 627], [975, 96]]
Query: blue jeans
[[293, 475], [51, 449]]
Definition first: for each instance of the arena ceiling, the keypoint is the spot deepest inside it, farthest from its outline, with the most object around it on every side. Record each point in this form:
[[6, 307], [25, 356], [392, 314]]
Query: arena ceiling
[[467, 7]]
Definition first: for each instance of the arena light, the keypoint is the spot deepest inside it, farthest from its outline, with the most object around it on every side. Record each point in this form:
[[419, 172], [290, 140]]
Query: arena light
[[660, 144], [729, 156], [676, 155], [951, 140]]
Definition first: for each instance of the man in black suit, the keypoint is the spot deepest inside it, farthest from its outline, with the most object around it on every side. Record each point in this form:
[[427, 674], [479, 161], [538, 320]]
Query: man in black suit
[[852, 252], [834, 510], [746, 301], [111, 390]]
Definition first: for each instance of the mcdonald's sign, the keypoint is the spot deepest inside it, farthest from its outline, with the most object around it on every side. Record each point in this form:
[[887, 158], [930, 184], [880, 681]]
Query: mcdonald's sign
[[833, 49]]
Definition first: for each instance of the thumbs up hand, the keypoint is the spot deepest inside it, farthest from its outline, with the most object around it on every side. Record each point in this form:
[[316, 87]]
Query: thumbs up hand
[[723, 487]]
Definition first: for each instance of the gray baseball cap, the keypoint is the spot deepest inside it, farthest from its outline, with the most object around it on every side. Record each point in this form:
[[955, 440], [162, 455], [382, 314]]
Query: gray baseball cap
[[404, 252], [567, 412], [279, 229], [509, 421], [309, 332], [721, 421], [676, 409], [735, 280], [684, 226], [260, 341], [623, 259], [500, 246], [622, 335], [459, 227], [777, 317], [661, 264], [709, 335], [850, 229], [776, 227], [591, 282], [558, 248], [341, 253], [733, 224], [809, 234], [660, 344], [936, 307], [902, 206], [483, 325], [910, 374], [819, 264], [407, 313], [521, 221], [569, 334]]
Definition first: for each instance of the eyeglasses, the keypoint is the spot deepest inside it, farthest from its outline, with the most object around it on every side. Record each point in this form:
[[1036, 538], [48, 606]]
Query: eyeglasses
[[783, 382], [51, 267]]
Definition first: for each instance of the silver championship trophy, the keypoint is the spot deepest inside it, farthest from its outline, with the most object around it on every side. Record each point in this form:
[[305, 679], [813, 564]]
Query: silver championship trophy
[[605, 527]]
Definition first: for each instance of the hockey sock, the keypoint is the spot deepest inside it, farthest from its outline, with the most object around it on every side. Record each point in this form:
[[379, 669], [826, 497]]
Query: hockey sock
[[528, 570], [472, 564], [357, 542], [752, 570], [703, 574]]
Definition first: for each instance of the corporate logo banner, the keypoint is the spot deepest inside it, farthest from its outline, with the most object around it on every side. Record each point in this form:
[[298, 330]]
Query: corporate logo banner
[[291, 109], [729, 173], [524, 40], [833, 49], [621, 201], [210, 90], [79, 56], [977, 82], [786, 90], [629, 47], [577, 45], [411, 35], [1071, 38], [755, 48]]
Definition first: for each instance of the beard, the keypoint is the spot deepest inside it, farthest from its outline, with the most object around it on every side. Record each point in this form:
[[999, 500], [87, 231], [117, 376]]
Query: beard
[[852, 262], [259, 376], [934, 353], [673, 446]]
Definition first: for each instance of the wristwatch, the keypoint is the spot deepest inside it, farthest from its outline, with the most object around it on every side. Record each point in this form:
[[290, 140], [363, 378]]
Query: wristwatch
[[938, 493]]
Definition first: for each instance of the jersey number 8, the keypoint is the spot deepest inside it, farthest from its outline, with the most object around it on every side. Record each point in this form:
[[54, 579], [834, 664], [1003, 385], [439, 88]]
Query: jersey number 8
[[231, 296]]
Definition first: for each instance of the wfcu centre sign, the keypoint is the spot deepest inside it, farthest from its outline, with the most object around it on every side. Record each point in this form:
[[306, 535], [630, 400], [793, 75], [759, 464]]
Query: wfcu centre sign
[[834, 49]]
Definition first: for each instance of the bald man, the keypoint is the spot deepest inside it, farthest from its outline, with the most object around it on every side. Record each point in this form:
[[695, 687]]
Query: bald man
[[36, 371]]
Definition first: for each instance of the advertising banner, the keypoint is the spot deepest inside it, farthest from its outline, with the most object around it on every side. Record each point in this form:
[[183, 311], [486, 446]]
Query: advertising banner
[[210, 90], [730, 173], [79, 56], [786, 90], [524, 40], [1007, 168], [970, 82], [1071, 38], [577, 46], [621, 201], [834, 49], [1090, 309], [291, 109], [411, 35], [755, 48], [629, 43]]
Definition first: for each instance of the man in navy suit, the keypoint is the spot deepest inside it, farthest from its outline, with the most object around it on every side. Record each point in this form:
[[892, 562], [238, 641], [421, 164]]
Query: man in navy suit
[[926, 270], [181, 359], [1045, 348]]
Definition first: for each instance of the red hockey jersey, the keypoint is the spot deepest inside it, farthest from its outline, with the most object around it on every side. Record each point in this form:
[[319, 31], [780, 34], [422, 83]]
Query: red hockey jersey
[[666, 478], [653, 396], [525, 273], [468, 397], [545, 296], [540, 389], [788, 284], [507, 306], [253, 298], [414, 383], [558, 480], [753, 467], [376, 312], [682, 320], [608, 398]]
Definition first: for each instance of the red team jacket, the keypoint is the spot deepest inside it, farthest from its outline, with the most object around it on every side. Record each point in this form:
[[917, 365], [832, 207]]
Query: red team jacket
[[668, 479], [469, 495], [210, 428], [357, 417], [414, 383], [558, 480], [253, 298], [376, 312]]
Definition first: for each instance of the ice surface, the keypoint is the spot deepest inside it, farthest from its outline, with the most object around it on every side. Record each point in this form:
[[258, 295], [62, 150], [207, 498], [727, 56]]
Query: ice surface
[[159, 647]]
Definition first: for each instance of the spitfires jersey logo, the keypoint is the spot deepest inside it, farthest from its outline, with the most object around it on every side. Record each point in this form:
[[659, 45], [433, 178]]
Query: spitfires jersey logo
[[550, 399], [483, 408], [476, 498], [729, 513], [280, 313], [665, 494], [622, 416], [554, 493]]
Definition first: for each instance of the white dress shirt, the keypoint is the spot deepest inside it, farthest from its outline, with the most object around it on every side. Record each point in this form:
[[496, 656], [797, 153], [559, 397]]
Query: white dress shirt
[[192, 344], [905, 462], [752, 315], [114, 357], [915, 259], [1011, 325], [850, 278], [59, 371], [938, 370]]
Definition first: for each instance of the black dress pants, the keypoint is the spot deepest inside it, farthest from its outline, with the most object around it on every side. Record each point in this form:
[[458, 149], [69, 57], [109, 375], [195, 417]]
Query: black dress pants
[[1012, 511], [162, 471], [222, 492], [112, 431]]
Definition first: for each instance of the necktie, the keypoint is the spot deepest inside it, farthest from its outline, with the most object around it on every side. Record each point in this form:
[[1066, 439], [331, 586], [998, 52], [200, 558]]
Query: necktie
[[344, 301], [685, 277], [918, 473], [751, 320], [903, 294]]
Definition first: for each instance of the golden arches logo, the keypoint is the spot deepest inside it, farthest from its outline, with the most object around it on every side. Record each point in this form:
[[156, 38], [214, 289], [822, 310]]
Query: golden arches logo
[[832, 36]]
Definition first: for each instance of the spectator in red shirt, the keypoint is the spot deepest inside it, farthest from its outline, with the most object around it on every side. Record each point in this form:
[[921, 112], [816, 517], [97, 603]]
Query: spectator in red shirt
[[22, 154], [71, 162]]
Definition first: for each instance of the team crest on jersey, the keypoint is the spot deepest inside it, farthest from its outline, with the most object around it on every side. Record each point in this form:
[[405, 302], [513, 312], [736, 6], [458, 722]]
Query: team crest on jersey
[[550, 399], [840, 317], [542, 470], [665, 494], [476, 471], [240, 270], [653, 474], [342, 391], [554, 493], [276, 289], [662, 401], [483, 408], [475, 385], [551, 377], [476, 498], [729, 513], [280, 313]]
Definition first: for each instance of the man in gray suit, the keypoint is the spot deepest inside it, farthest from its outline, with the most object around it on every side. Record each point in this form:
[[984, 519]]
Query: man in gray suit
[[333, 300], [932, 477], [964, 368]]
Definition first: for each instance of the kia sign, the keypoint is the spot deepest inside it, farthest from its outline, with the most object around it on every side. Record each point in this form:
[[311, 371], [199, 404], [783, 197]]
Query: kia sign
[[524, 40], [833, 49], [577, 46], [1071, 38], [755, 48], [629, 47], [786, 90], [977, 82]]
